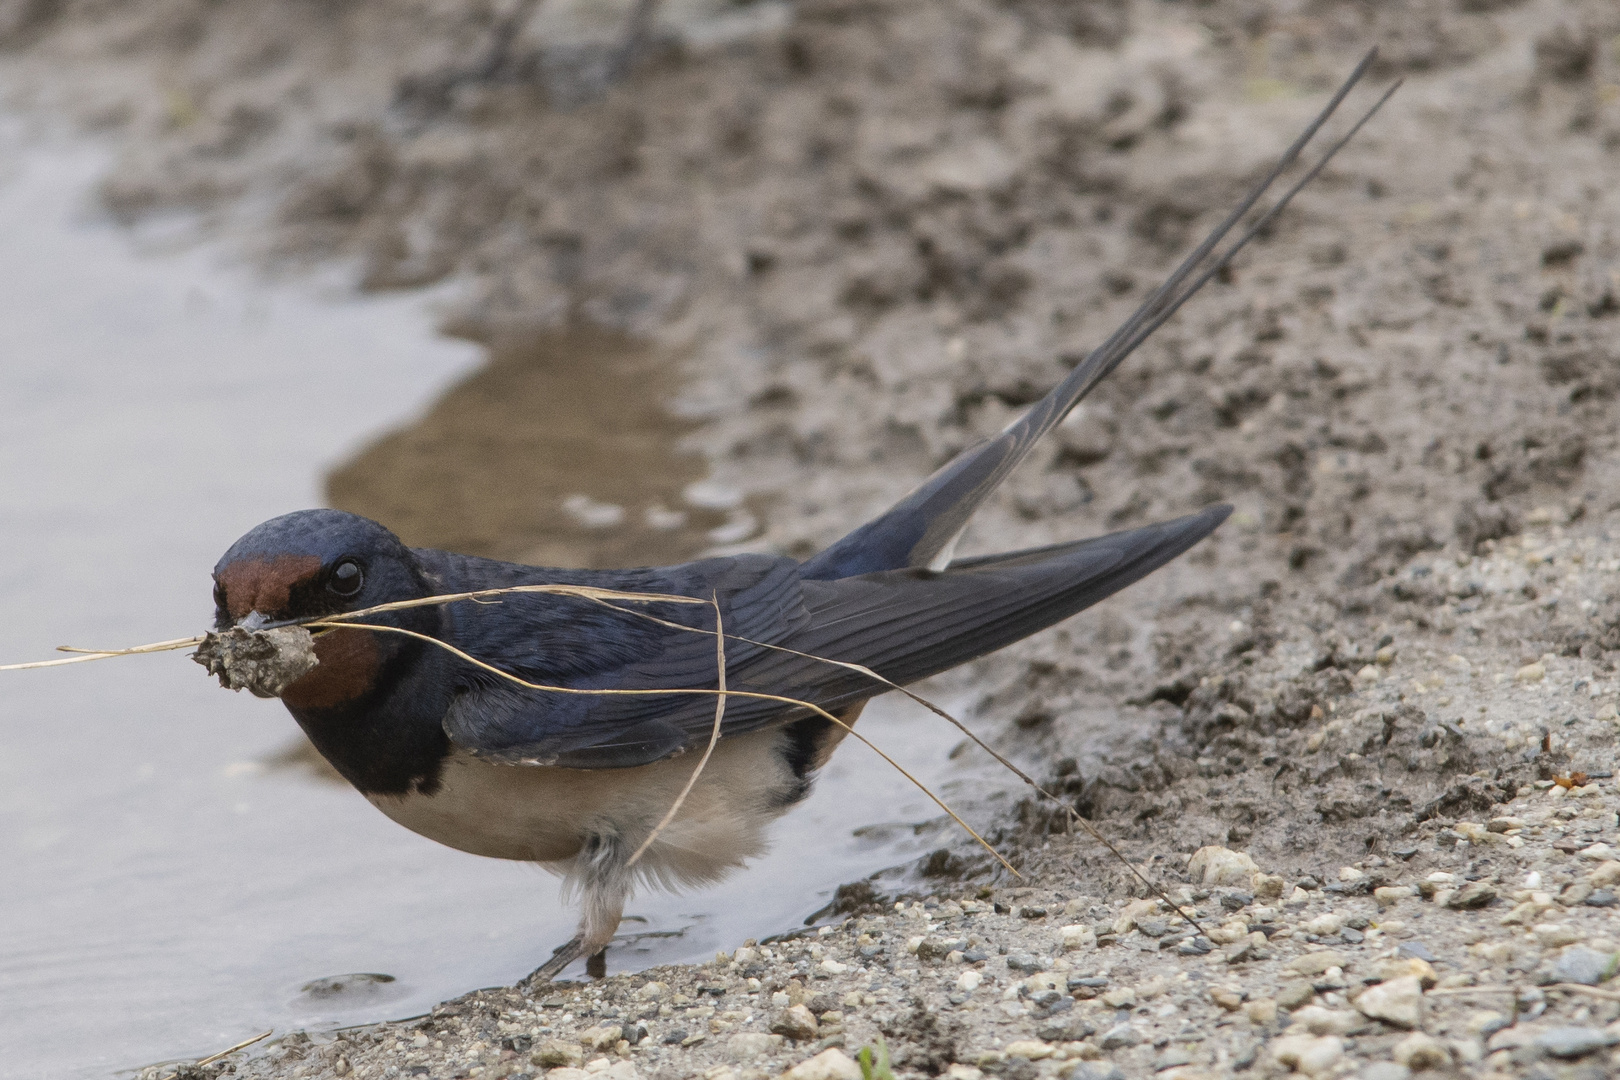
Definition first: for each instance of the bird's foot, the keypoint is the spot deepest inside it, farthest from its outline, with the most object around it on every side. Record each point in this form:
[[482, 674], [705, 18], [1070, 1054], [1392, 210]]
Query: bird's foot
[[565, 954]]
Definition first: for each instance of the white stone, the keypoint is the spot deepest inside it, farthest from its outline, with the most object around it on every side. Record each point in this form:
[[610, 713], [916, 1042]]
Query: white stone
[[1029, 1049], [1324, 925], [1320, 1021], [1077, 937], [1398, 1001], [1555, 935], [969, 981], [830, 1064], [748, 1045], [1390, 895], [1214, 866], [1311, 1055]]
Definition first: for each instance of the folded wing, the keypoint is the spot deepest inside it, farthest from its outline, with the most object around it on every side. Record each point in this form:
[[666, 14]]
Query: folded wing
[[903, 624]]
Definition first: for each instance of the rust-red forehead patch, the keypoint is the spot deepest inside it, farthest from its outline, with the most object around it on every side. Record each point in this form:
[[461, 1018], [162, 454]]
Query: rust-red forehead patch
[[265, 585]]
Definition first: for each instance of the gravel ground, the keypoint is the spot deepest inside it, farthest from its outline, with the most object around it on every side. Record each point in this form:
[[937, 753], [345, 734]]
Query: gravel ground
[[868, 233], [1478, 944]]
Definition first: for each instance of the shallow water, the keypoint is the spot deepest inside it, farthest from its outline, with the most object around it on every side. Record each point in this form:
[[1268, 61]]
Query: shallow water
[[557, 452], [165, 893]]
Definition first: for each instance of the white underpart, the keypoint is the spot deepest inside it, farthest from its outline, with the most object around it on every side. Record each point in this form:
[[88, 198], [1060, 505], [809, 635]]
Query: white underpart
[[584, 824]]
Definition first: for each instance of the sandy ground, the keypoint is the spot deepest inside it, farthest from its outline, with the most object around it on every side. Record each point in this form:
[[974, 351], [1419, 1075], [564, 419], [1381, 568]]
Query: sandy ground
[[866, 233]]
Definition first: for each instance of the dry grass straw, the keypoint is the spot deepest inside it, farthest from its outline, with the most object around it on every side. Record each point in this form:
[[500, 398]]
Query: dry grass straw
[[615, 599], [722, 694], [103, 654], [1169, 298], [714, 736], [228, 1051], [1522, 992]]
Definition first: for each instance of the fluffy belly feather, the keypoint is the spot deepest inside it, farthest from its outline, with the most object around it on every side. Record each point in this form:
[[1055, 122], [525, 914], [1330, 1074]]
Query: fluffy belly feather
[[550, 815]]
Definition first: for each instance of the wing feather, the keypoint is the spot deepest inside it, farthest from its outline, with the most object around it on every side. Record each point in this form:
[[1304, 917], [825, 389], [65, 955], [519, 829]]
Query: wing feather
[[904, 624]]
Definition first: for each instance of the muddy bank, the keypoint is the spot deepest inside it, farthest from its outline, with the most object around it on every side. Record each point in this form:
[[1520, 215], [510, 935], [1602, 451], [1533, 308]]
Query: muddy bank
[[874, 231]]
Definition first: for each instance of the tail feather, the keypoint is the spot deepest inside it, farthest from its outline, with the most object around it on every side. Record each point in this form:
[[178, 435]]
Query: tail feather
[[921, 530]]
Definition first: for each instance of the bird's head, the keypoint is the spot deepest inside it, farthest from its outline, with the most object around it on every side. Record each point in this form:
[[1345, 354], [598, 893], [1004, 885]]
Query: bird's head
[[308, 564], [317, 563]]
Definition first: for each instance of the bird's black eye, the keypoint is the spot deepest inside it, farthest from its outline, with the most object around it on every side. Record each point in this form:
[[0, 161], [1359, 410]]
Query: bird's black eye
[[346, 578]]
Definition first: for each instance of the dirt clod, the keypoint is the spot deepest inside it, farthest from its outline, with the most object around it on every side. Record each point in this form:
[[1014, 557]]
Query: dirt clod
[[263, 661]]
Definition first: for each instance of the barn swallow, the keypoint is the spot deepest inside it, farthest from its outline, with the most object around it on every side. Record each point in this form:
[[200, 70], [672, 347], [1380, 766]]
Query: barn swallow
[[577, 782]]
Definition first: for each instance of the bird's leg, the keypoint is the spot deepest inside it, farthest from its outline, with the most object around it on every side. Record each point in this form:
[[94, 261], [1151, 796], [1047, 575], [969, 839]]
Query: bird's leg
[[604, 884], [565, 954]]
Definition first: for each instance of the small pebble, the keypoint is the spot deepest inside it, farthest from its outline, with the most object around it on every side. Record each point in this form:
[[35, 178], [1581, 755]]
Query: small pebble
[[1261, 1011], [1074, 938], [1294, 994], [1588, 967], [1555, 935], [830, 1064], [1122, 997], [1097, 1070], [1213, 865], [1172, 1058], [1385, 1070], [1029, 1049], [1320, 1021], [1574, 1042], [1398, 1001], [1118, 1037], [1419, 1051], [749, 1045], [797, 1023], [1311, 1055], [1416, 950], [1390, 895], [1475, 894], [1315, 963], [1324, 925]]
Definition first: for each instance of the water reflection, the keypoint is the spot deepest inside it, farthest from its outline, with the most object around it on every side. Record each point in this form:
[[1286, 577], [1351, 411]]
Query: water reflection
[[557, 452]]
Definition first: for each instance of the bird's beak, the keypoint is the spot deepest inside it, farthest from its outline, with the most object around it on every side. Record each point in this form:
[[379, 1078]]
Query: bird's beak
[[252, 621]]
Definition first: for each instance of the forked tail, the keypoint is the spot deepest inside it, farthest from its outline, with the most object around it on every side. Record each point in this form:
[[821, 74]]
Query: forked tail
[[921, 530]]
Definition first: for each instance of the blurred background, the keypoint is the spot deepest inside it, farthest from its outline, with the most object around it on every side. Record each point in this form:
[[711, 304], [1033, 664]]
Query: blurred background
[[613, 282]]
